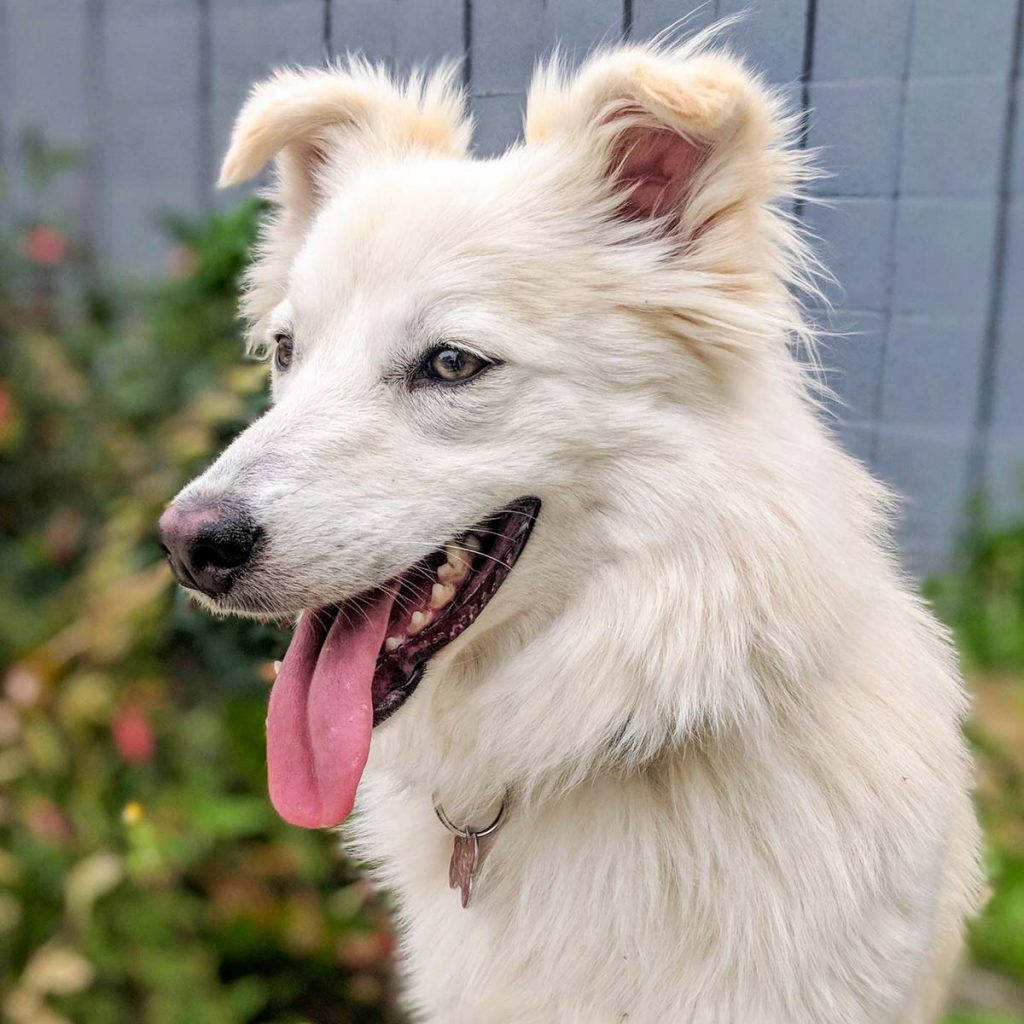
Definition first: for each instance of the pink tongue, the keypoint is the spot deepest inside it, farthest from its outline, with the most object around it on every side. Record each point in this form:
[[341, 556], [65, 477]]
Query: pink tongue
[[321, 716]]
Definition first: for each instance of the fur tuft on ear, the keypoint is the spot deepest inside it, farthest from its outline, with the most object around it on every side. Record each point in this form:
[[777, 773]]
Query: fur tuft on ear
[[313, 112], [663, 124]]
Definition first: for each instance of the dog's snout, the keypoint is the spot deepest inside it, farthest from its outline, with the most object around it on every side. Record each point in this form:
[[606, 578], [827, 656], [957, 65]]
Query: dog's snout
[[207, 545]]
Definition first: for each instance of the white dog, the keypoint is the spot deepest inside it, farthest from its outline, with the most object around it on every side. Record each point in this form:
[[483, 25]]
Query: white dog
[[718, 730]]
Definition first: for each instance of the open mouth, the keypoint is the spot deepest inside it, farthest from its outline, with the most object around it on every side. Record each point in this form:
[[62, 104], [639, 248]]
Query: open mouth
[[441, 596], [351, 665]]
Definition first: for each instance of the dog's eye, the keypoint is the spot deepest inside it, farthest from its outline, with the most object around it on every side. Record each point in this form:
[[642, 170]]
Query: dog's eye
[[451, 366], [284, 351]]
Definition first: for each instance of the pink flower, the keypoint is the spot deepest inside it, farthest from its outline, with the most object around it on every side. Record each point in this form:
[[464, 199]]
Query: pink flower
[[46, 246], [23, 686], [45, 820], [133, 736]]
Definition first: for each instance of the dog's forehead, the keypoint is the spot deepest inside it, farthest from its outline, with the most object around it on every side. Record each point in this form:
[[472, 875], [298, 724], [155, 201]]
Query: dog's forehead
[[421, 225]]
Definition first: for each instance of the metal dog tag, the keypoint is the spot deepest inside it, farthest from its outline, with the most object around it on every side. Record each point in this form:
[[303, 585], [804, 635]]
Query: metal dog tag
[[466, 849], [465, 857]]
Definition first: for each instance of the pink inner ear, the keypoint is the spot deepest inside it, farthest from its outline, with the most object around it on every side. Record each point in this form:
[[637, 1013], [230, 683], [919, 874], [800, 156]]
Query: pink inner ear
[[660, 165]]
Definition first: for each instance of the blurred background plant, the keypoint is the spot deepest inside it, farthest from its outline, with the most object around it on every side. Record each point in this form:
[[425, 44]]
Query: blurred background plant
[[143, 875], [984, 603]]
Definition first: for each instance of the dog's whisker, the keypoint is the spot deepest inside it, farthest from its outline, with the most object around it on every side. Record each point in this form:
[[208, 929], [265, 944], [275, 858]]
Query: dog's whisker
[[458, 547]]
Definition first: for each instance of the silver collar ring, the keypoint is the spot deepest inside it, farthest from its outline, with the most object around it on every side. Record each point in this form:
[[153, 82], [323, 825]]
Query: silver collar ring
[[466, 832]]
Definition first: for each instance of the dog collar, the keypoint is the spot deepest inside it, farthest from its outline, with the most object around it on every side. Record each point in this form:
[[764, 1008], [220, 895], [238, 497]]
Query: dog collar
[[466, 850]]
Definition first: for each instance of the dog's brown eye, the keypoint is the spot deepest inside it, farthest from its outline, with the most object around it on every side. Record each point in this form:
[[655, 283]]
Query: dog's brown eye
[[453, 365], [284, 352]]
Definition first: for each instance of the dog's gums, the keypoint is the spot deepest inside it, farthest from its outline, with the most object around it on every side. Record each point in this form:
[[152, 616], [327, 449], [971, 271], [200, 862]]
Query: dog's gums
[[351, 665]]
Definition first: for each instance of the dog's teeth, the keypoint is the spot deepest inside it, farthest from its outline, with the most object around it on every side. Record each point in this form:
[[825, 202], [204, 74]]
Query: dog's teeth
[[417, 623], [392, 644], [472, 541], [441, 594], [277, 667]]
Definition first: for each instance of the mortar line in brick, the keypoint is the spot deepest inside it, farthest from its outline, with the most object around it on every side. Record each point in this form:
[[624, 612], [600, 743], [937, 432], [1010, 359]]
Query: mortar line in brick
[[6, 154], [467, 44], [978, 467], [326, 31], [94, 163], [205, 96], [806, 73], [894, 216], [807, 62]]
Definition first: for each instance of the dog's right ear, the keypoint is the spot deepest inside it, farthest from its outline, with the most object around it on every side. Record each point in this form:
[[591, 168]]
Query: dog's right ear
[[319, 123]]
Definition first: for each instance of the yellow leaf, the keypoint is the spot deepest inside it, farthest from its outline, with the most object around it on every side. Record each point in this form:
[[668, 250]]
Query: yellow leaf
[[57, 969], [23, 1006], [88, 880], [86, 697]]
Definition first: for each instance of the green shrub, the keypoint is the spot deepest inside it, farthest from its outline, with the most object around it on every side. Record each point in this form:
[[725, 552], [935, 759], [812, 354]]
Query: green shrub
[[143, 875], [984, 600]]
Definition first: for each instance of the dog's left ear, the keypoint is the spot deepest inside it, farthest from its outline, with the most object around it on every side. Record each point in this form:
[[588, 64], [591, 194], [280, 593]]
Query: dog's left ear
[[682, 138]]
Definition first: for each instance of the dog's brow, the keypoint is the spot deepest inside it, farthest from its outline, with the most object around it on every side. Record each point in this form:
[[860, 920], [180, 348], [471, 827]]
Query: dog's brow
[[281, 317]]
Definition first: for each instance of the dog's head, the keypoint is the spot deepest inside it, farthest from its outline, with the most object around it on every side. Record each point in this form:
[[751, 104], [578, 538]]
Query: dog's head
[[464, 351]]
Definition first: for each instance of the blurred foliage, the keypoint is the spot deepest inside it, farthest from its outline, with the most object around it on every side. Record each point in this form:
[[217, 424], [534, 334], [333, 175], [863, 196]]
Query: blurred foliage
[[143, 874], [983, 602], [144, 877]]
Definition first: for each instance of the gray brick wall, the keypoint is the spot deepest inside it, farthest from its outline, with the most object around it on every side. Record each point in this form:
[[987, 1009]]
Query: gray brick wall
[[916, 107]]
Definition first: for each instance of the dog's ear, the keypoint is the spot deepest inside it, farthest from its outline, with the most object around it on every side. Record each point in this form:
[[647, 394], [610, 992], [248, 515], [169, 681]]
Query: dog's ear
[[320, 126], [320, 122], [682, 137]]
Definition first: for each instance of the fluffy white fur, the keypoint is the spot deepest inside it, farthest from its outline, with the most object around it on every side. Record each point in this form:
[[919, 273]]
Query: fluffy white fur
[[729, 726]]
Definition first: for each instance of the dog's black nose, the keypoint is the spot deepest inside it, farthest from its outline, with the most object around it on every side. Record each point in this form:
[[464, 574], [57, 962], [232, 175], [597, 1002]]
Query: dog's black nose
[[207, 545]]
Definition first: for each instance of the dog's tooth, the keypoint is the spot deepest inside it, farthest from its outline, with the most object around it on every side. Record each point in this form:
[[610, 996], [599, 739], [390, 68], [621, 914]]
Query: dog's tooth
[[417, 622], [392, 644], [441, 594], [448, 573], [471, 541], [462, 560], [277, 667], [455, 554]]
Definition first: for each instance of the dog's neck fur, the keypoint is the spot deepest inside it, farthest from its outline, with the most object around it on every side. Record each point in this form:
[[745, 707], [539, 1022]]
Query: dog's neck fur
[[669, 838], [663, 844]]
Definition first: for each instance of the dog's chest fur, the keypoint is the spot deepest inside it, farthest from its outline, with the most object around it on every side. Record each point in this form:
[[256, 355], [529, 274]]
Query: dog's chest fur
[[741, 886]]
